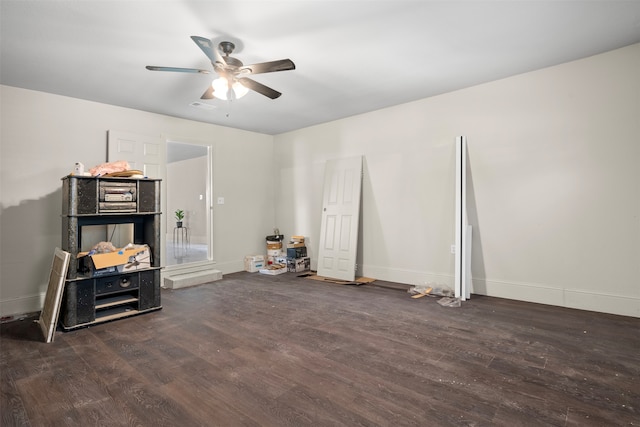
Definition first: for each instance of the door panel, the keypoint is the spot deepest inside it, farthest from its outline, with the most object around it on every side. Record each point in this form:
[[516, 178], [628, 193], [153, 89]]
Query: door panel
[[143, 152], [340, 218]]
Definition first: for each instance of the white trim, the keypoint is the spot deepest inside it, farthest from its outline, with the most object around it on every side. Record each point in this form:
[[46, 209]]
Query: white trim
[[462, 279], [563, 297], [196, 266], [22, 305]]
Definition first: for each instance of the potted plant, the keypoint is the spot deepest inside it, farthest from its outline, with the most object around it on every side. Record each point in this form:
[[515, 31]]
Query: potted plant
[[179, 217]]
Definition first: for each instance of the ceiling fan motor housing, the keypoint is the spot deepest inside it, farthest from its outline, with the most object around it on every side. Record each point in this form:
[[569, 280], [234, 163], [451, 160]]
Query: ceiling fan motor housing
[[226, 47]]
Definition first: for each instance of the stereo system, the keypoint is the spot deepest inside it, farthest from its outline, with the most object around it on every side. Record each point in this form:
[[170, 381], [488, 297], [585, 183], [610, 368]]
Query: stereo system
[[117, 196]]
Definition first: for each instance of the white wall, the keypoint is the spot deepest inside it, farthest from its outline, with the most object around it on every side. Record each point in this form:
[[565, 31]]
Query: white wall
[[554, 181], [43, 135]]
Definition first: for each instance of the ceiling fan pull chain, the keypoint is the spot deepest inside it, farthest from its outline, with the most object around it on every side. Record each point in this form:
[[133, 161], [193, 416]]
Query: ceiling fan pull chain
[[229, 108]]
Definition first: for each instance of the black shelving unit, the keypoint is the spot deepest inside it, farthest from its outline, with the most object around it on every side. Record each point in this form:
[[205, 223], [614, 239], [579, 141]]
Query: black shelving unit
[[91, 201]]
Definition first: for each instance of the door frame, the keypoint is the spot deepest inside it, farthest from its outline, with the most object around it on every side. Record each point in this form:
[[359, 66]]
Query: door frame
[[178, 269], [162, 172]]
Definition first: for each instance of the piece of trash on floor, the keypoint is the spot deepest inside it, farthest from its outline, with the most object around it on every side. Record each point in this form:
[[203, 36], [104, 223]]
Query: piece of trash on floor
[[422, 294], [441, 291], [449, 302]]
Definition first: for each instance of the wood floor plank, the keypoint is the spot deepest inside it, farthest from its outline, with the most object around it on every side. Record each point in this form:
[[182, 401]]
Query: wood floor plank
[[200, 400], [12, 411]]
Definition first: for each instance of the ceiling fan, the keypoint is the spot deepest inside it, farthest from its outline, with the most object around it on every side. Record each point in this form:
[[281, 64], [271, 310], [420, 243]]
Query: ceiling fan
[[232, 83]]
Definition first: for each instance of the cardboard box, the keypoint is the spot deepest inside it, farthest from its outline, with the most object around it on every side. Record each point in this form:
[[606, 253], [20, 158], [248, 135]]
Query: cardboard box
[[300, 252], [141, 260], [274, 270], [253, 263], [272, 260], [295, 245], [296, 265], [123, 260], [275, 252]]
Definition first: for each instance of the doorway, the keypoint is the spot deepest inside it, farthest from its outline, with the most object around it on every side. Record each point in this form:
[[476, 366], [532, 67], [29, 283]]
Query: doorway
[[188, 178]]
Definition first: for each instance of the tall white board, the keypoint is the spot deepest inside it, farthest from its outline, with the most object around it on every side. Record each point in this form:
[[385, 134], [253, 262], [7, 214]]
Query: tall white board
[[462, 274]]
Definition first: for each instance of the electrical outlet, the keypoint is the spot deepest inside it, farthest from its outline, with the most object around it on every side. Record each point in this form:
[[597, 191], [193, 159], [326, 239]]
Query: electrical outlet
[[221, 200], [453, 249]]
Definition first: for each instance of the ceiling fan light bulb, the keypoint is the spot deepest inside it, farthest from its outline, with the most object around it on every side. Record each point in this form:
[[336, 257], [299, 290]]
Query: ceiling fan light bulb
[[220, 87], [240, 90]]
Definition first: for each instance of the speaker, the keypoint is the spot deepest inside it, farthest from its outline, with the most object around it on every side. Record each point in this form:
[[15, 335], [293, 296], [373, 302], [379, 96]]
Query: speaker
[[149, 295], [78, 303]]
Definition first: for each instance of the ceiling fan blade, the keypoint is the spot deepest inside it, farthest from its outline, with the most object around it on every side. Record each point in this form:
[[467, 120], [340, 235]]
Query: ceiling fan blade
[[176, 69], [209, 49], [208, 94], [259, 87], [269, 67]]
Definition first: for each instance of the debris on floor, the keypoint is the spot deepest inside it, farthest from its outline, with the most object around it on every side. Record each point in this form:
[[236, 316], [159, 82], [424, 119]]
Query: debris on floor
[[449, 302], [357, 282], [440, 291], [422, 294]]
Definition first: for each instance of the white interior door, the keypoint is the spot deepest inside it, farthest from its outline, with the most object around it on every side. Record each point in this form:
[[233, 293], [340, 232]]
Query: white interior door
[[143, 152], [340, 218]]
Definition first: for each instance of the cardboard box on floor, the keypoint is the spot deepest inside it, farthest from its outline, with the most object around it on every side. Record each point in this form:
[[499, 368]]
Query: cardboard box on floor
[[253, 263], [296, 265], [123, 260], [274, 270]]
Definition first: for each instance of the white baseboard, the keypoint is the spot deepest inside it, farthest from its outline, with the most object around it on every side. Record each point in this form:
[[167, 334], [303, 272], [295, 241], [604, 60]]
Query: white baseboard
[[22, 305], [580, 299], [409, 277], [228, 267], [571, 298]]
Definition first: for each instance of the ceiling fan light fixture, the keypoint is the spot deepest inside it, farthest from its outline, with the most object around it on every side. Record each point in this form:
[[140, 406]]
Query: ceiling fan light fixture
[[231, 70], [221, 88]]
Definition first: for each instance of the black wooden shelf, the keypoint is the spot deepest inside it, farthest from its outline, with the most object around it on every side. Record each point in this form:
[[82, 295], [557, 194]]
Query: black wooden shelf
[[90, 299]]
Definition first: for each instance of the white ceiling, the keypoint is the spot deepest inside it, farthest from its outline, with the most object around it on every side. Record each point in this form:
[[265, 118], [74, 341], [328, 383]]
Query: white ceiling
[[351, 56]]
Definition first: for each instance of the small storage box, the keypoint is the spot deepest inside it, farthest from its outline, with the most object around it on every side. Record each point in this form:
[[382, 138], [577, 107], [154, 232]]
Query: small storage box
[[296, 265], [275, 252], [253, 263], [136, 257], [274, 270], [300, 252]]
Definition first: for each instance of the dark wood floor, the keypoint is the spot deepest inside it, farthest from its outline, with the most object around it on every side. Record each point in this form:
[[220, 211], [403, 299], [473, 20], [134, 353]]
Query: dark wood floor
[[256, 350]]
